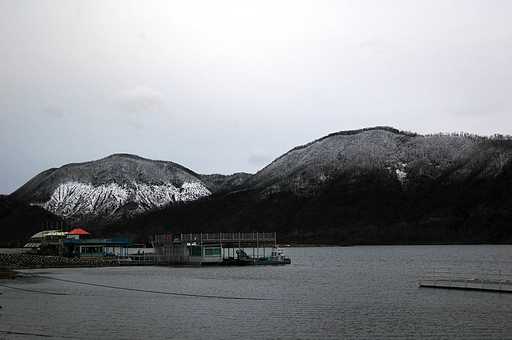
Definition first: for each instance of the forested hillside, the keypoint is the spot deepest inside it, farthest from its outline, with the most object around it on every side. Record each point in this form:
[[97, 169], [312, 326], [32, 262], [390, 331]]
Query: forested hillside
[[370, 186], [373, 186]]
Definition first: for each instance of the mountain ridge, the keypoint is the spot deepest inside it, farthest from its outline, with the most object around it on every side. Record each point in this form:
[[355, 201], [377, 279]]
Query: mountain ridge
[[372, 179], [366, 148], [112, 187]]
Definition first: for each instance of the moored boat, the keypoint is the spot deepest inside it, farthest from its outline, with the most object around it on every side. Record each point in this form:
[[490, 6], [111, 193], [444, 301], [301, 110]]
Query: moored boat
[[277, 257]]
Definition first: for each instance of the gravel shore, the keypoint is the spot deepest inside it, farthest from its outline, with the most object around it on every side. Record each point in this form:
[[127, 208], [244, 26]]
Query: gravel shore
[[24, 261]]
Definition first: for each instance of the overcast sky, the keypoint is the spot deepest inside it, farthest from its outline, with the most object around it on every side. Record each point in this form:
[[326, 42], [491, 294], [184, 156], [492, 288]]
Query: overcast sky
[[228, 86]]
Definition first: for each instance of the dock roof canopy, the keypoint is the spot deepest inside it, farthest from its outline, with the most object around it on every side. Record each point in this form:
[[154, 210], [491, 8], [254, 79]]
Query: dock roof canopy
[[48, 233], [78, 231]]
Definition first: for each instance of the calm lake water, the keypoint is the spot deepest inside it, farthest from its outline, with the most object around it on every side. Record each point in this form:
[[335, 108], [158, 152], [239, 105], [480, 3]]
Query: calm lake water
[[349, 293]]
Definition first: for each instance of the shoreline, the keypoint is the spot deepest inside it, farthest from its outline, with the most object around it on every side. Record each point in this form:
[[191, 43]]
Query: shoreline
[[10, 262]]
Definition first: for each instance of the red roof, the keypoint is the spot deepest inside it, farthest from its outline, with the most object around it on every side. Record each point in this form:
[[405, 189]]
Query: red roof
[[78, 231]]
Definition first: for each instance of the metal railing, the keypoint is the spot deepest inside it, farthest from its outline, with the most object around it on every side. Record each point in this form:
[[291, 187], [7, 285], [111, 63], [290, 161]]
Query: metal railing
[[467, 278], [216, 237], [122, 241]]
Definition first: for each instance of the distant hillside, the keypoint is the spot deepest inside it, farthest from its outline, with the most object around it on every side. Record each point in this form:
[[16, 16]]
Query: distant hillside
[[225, 182], [370, 186], [118, 186], [408, 157], [20, 221]]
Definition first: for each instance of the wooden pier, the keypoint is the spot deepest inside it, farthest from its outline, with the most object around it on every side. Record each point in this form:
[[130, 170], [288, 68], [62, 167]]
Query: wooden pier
[[471, 279]]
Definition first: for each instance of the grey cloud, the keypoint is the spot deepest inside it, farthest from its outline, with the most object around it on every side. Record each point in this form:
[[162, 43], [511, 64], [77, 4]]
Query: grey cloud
[[140, 100], [53, 111], [259, 156], [375, 45]]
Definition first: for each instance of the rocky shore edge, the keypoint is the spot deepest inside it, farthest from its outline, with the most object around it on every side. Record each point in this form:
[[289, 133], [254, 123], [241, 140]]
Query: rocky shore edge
[[11, 262]]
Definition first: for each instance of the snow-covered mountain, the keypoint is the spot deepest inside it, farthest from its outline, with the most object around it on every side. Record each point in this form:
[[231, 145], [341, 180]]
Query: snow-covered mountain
[[74, 200], [407, 157], [118, 185], [376, 185]]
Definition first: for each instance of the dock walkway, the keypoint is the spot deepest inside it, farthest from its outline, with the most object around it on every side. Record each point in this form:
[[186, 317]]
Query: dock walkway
[[470, 279]]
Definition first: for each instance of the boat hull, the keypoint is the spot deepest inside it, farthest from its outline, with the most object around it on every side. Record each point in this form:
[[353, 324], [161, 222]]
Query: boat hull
[[263, 262]]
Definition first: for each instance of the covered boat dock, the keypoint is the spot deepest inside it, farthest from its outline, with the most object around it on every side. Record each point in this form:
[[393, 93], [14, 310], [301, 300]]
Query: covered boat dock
[[212, 248]]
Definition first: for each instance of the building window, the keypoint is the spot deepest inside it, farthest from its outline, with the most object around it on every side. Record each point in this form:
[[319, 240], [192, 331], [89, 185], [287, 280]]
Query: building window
[[212, 252], [195, 251]]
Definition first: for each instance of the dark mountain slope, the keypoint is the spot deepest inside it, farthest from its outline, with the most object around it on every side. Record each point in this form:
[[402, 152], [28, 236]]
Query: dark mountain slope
[[241, 211], [20, 221], [370, 209], [375, 186], [371, 186]]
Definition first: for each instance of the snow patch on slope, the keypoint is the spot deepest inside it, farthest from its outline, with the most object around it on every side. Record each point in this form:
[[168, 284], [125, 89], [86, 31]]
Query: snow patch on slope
[[400, 172], [160, 195], [76, 200]]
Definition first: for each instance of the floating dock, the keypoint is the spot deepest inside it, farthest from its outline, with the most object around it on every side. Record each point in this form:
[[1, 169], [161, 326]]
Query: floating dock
[[471, 279], [214, 248]]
